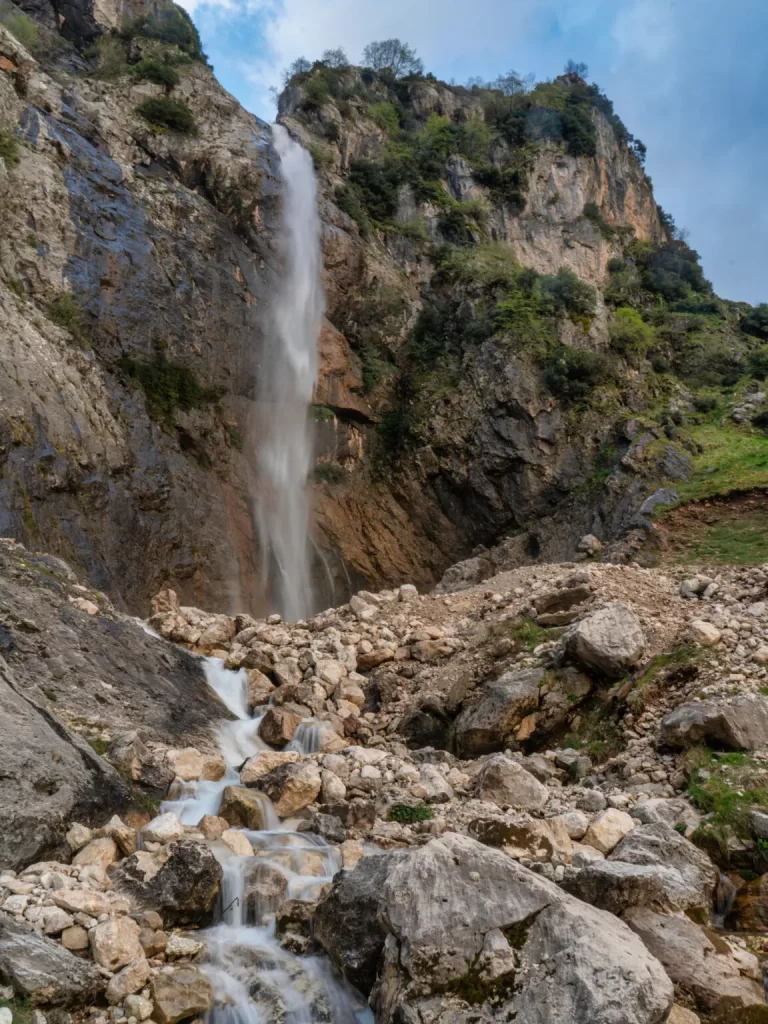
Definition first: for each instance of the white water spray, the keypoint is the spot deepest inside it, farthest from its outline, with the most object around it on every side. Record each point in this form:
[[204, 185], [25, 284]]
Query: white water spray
[[285, 457]]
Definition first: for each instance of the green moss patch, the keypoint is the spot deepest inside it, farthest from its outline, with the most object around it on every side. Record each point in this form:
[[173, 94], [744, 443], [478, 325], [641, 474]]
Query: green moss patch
[[167, 386]]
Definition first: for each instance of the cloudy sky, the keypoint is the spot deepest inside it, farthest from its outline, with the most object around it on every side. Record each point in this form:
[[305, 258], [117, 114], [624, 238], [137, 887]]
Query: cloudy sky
[[688, 77]]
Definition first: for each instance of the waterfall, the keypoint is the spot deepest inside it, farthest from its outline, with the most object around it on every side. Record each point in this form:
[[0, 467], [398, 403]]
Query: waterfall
[[286, 451]]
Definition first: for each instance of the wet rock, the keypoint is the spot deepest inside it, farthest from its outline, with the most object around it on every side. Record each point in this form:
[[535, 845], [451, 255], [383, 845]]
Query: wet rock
[[42, 971], [291, 787], [182, 946], [741, 725], [260, 689], [243, 808], [115, 943], [279, 724], [180, 993], [262, 763], [611, 640], [183, 890], [347, 920], [237, 842], [507, 784], [700, 963], [294, 925], [264, 891], [749, 910], [212, 826], [496, 711]]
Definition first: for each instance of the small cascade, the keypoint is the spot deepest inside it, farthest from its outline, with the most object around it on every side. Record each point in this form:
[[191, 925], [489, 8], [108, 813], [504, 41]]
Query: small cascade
[[255, 980], [725, 893], [309, 737]]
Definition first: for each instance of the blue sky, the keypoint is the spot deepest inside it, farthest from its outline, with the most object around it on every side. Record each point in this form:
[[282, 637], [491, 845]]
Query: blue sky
[[688, 77]]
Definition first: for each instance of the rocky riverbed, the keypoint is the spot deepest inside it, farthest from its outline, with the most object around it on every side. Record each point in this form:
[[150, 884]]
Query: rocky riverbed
[[540, 796]]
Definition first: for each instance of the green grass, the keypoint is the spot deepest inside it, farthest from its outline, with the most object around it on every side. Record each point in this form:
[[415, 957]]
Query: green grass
[[733, 459], [23, 28], [65, 310], [656, 671], [734, 542], [408, 815], [153, 71], [321, 414], [167, 386], [99, 745], [20, 1008], [328, 472], [9, 147], [725, 787], [164, 114], [597, 736], [528, 635]]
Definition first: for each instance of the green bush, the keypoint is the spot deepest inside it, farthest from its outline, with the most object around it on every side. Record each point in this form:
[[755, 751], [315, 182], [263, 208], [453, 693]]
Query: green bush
[[166, 114], [153, 71], [578, 129], [755, 321], [166, 385], [508, 185], [23, 28], [593, 214], [173, 26], [758, 362], [630, 334], [110, 52], [386, 116], [322, 156], [348, 200], [409, 815], [573, 373], [328, 472], [567, 293], [9, 147], [65, 310], [332, 131], [316, 92], [461, 222]]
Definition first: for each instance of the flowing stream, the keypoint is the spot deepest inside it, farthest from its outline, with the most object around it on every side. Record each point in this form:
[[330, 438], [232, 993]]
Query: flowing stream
[[286, 451], [255, 980]]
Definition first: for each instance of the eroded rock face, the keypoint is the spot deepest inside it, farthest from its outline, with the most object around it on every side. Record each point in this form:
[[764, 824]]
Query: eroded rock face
[[42, 971], [467, 930], [741, 725]]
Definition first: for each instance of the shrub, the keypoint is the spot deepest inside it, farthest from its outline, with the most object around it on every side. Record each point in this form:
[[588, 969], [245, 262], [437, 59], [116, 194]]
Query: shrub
[[175, 27], [475, 138], [328, 472], [316, 92], [565, 292], [409, 815], [371, 366], [65, 310], [629, 332], [578, 129], [154, 71], [386, 117], [758, 362], [461, 221], [348, 200], [706, 401], [166, 114], [111, 55], [23, 28], [9, 147], [166, 385], [755, 321], [508, 185], [332, 131], [572, 373], [322, 156], [593, 214]]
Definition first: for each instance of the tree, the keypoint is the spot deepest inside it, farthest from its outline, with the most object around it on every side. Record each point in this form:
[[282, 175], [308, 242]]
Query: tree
[[639, 149], [335, 58], [400, 58], [513, 83], [299, 67], [573, 67], [755, 321]]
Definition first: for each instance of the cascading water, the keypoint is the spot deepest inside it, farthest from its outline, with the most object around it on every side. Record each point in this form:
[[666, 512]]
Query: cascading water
[[255, 980], [286, 451]]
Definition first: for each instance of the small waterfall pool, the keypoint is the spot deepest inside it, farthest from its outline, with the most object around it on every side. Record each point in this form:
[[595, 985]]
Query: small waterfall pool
[[255, 980]]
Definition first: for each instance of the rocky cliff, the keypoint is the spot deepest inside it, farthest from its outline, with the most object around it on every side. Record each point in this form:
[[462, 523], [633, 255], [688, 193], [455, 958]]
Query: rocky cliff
[[473, 385]]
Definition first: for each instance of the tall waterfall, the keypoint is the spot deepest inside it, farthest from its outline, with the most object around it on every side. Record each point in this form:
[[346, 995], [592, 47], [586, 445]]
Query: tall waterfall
[[285, 456]]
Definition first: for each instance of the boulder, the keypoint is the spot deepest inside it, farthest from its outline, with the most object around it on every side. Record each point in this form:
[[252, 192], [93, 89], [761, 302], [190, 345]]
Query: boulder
[[506, 783], [243, 808], [607, 829], [131, 979], [705, 633], [347, 921], [496, 711], [212, 826], [165, 828], [690, 876], [81, 901], [115, 943], [101, 852], [262, 763], [740, 725], [615, 886], [180, 993], [610, 641], [668, 810], [470, 935], [700, 963], [279, 724], [426, 726], [264, 889], [42, 971], [183, 890], [291, 787], [237, 842], [139, 1007], [527, 839], [260, 688]]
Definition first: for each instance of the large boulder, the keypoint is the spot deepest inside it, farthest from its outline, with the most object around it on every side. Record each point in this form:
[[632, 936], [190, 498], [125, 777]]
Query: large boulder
[[183, 890], [115, 942], [180, 993], [694, 876], [470, 935], [291, 787], [610, 641], [740, 725], [508, 784], [701, 964], [42, 971], [347, 920], [496, 711], [243, 808]]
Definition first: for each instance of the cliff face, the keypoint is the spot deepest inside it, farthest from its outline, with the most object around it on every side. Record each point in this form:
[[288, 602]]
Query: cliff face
[[136, 271]]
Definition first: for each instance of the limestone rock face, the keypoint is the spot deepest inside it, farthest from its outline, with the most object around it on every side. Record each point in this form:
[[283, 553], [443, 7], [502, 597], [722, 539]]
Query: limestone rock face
[[183, 890], [42, 971], [609, 641], [458, 916], [496, 710], [741, 725]]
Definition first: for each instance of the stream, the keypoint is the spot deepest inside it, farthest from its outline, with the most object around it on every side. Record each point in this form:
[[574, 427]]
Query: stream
[[255, 980]]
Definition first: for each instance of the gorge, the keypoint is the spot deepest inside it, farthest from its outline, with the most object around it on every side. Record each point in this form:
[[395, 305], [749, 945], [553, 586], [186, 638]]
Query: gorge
[[383, 573]]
